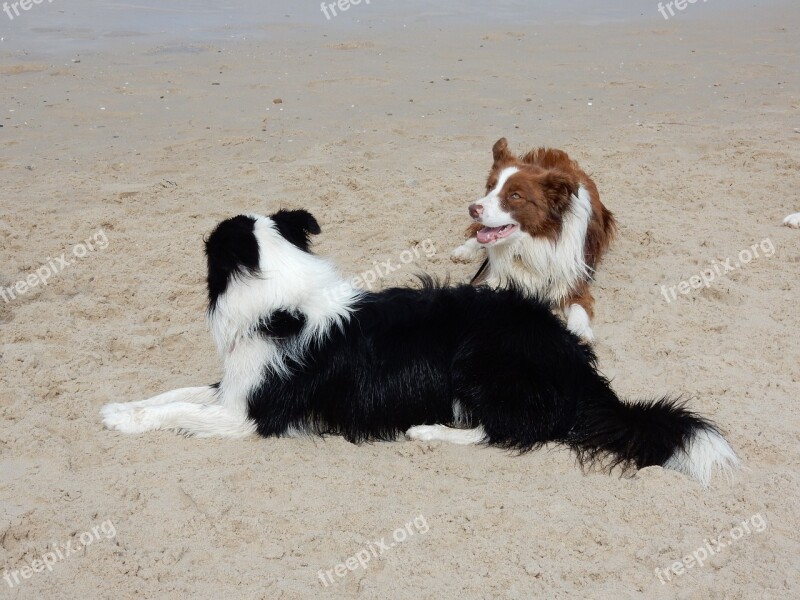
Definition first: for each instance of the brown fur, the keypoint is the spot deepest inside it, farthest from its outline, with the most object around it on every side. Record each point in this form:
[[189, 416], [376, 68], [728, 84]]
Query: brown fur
[[538, 196], [583, 297]]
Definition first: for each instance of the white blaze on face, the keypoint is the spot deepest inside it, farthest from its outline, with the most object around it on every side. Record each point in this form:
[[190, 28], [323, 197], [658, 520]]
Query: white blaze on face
[[493, 214], [498, 224]]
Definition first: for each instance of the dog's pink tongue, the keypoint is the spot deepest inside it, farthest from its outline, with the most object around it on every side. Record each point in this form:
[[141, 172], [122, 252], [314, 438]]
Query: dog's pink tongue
[[488, 234]]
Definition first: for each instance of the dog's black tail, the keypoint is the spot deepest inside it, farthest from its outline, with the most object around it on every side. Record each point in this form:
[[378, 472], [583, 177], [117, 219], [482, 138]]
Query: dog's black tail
[[611, 432]]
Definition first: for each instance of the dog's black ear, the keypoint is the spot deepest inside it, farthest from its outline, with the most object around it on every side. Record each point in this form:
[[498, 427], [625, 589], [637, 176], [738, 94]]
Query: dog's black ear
[[296, 226], [231, 249]]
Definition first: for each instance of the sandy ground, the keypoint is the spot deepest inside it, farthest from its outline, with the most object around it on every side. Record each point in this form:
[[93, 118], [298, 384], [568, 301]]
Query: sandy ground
[[690, 128]]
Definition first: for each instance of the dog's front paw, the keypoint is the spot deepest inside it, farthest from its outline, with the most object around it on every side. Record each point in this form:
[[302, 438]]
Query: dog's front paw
[[792, 221], [113, 408], [465, 252], [126, 420], [423, 433]]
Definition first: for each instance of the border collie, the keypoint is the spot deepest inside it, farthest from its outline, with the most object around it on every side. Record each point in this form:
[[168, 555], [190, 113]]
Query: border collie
[[544, 230], [792, 221], [306, 353]]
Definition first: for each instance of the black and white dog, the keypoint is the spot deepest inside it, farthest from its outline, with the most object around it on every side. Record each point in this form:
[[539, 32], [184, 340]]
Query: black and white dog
[[305, 352]]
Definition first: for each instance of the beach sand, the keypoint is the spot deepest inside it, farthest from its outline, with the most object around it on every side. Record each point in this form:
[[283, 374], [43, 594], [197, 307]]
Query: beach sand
[[383, 129]]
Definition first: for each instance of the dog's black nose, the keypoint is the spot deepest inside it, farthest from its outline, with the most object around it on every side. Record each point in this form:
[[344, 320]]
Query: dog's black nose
[[475, 210]]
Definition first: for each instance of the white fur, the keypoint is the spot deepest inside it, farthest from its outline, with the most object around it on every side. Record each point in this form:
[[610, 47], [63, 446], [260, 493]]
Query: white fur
[[468, 251], [578, 322], [460, 415], [705, 453], [792, 221], [493, 214], [287, 278], [201, 395], [548, 269], [442, 433], [199, 420]]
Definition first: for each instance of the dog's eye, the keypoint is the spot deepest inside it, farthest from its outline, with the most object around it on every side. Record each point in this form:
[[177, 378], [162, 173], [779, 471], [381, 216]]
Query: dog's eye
[[515, 196]]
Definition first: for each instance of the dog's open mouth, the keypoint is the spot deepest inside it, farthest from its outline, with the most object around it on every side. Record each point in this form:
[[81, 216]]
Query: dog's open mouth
[[487, 235]]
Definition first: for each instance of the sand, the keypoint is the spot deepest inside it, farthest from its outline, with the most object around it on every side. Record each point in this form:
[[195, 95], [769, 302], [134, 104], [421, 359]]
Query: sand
[[128, 152]]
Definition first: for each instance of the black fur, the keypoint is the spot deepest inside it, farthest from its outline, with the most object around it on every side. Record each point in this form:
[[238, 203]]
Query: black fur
[[480, 274], [282, 324], [403, 357], [296, 226], [406, 355], [231, 251]]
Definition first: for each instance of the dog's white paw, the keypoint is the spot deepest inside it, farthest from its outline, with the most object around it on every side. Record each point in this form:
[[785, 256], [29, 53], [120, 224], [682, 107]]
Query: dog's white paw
[[113, 408], [578, 322], [465, 252], [792, 221], [126, 420], [423, 433], [586, 334]]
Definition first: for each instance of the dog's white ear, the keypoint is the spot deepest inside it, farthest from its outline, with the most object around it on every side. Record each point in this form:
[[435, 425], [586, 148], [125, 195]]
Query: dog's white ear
[[296, 226], [500, 152]]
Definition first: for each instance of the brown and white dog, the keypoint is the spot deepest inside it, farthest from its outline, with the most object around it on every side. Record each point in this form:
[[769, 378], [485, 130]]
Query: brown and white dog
[[544, 229]]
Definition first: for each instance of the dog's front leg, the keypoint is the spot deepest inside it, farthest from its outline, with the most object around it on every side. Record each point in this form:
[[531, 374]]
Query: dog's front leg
[[466, 252], [191, 411], [207, 394], [201, 420]]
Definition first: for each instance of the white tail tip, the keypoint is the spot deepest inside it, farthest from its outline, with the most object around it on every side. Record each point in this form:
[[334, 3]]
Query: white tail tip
[[705, 452]]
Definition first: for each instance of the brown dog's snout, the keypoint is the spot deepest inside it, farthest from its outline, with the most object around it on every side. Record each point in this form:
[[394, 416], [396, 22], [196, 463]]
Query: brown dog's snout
[[475, 211]]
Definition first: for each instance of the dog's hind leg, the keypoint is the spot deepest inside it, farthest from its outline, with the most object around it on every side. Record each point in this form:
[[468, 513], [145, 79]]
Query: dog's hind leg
[[578, 322], [443, 433], [201, 420], [579, 312]]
